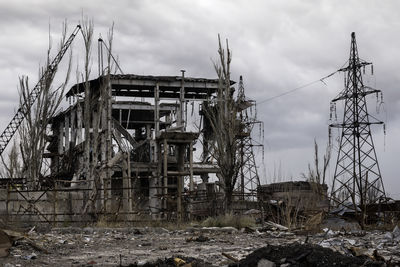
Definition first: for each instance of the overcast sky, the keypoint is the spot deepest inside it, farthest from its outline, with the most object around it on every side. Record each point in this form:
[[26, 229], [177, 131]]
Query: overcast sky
[[277, 46]]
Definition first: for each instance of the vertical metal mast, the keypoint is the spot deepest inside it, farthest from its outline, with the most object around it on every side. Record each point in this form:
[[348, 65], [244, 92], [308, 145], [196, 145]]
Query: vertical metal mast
[[357, 178]]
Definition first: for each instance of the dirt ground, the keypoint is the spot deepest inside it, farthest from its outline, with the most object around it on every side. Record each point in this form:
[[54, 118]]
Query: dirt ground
[[144, 246]]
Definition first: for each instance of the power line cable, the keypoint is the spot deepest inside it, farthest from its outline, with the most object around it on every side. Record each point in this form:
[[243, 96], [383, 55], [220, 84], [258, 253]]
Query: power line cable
[[298, 88]]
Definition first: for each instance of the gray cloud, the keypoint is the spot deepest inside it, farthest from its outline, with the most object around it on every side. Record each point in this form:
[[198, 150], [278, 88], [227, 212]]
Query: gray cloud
[[277, 46]]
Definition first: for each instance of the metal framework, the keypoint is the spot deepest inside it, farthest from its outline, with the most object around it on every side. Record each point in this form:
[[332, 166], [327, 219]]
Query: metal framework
[[357, 177], [47, 77], [248, 175]]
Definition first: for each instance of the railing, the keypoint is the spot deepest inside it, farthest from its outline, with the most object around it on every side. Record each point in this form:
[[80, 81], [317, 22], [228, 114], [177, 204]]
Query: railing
[[117, 200]]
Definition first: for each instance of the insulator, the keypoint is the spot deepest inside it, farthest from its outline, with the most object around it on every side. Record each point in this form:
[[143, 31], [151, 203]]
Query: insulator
[[344, 80], [384, 137], [334, 107], [372, 69], [364, 69], [329, 135]]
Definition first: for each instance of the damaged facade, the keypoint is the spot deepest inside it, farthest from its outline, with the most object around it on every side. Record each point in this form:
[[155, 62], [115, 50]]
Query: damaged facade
[[143, 149], [293, 199], [133, 156]]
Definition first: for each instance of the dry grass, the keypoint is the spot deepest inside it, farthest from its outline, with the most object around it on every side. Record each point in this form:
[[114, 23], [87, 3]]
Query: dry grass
[[107, 221], [237, 221], [169, 225], [110, 222]]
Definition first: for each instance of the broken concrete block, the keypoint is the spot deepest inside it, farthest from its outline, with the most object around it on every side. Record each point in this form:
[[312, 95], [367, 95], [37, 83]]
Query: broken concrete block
[[5, 244], [275, 226], [388, 235]]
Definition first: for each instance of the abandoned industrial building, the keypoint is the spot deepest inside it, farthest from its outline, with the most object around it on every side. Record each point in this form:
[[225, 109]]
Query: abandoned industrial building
[[140, 152]]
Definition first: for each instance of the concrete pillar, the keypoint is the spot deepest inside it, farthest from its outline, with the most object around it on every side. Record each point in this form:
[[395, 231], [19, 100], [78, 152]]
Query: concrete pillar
[[181, 155], [125, 184], [61, 138], [181, 112], [157, 110], [130, 195], [191, 167], [165, 175], [154, 199], [66, 130], [78, 123], [73, 127]]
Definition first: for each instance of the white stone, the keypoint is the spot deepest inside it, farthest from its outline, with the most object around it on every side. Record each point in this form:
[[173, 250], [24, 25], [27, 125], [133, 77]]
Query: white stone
[[351, 242]]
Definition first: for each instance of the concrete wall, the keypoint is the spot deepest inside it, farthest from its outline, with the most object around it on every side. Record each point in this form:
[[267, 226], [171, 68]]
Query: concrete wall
[[42, 206]]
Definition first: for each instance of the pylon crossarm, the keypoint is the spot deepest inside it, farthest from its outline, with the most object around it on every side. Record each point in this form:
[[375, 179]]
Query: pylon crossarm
[[359, 94]]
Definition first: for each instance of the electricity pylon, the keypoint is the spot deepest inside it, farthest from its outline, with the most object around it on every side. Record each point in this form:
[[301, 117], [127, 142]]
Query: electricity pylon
[[248, 175], [357, 181]]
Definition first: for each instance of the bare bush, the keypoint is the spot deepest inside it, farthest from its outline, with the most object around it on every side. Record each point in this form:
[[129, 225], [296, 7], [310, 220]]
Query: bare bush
[[34, 129]]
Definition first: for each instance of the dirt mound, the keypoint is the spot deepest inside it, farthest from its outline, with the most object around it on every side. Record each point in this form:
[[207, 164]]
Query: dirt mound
[[303, 255]]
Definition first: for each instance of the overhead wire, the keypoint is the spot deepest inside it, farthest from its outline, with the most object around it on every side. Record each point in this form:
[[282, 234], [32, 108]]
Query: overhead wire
[[298, 88]]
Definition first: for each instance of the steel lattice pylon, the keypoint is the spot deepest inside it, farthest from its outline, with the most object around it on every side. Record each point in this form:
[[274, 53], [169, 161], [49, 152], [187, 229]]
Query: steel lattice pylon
[[357, 178], [248, 179]]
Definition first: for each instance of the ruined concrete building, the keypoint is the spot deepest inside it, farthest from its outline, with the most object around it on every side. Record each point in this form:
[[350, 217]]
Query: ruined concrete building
[[139, 138], [295, 199], [304, 195], [130, 157]]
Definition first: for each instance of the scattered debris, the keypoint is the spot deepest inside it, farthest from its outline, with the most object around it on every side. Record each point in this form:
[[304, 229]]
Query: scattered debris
[[31, 256], [339, 224], [229, 257], [178, 261], [217, 246], [5, 244], [200, 238], [274, 226]]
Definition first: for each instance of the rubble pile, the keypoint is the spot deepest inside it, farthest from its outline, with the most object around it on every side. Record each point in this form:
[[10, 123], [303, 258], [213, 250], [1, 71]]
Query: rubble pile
[[372, 243], [272, 245]]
